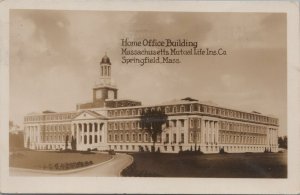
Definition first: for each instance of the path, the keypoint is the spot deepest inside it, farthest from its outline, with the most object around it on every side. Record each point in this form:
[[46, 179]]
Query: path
[[111, 168]]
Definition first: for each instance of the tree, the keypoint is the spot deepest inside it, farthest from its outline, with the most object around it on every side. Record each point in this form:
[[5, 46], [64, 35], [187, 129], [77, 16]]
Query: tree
[[28, 142], [67, 140], [282, 142], [73, 143], [152, 122]]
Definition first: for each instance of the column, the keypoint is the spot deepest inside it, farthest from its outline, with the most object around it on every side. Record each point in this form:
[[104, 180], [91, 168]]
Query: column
[[93, 133], [202, 130], [206, 131], [88, 133], [211, 132], [217, 132], [39, 133], [82, 134], [77, 135], [98, 132]]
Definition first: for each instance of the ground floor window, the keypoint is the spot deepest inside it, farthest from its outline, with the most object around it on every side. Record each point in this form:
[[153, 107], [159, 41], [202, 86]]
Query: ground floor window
[[91, 139], [85, 139]]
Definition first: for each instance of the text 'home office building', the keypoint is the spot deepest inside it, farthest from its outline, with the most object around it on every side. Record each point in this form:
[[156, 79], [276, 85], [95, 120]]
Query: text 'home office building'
[[111, 123]]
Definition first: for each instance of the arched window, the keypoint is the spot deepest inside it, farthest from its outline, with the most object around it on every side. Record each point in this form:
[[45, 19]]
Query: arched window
[[167, 109], [181, 108], [96, 127], [96, 140], [91, 139], [85, 139], [174, 109]]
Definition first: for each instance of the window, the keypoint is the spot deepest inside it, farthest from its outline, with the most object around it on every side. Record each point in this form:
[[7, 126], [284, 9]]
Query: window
[[182, 123], [174, 109], [133, 112], [174, 138], [96, 127], [167, 138], [85, 139], [121, 137], [116, 126], [146, 137], [182, 138], [167, 109], [127, 137], [133, 137], [91, 139], [181, 108], [116, 137], [191, 123], [96, 140], [140, 137], [100, 138], [133, 125], [199, 123], [174, 123], [122, 126], [191, 136]]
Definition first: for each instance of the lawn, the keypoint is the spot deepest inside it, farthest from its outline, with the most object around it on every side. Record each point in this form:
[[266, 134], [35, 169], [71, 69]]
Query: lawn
[[46, 160], [247, 165]]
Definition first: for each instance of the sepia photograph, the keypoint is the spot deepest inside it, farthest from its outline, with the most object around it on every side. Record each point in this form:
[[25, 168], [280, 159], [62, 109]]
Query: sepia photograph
[[164, 94], [99, 94]]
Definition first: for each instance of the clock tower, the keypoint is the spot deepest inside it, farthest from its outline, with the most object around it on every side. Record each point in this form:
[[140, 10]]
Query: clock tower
[[104, 89]]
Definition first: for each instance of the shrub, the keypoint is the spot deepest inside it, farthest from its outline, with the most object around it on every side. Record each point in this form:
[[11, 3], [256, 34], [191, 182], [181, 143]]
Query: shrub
[[111, 152], [158, 150]]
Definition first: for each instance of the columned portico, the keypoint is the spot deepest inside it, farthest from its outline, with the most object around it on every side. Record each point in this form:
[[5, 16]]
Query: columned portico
[[89, 134]]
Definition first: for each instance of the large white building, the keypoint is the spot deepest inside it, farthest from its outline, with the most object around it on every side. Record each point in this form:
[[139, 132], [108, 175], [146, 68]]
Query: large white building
[[111, 123]]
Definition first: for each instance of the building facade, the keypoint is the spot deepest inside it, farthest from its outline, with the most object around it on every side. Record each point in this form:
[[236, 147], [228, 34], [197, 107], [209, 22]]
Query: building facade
[[111, 123]]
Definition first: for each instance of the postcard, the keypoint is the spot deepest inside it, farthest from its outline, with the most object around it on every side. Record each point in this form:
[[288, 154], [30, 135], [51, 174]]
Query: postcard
[[149, 97]]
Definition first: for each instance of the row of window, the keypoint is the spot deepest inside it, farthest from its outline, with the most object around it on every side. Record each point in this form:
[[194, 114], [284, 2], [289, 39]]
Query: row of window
[[89, 127], [242, 139], [137, 124], [131, 138], [91, 139], [199, 108], [58, 127], [139, 137], [55, 138], [49, 117], [240, 127]]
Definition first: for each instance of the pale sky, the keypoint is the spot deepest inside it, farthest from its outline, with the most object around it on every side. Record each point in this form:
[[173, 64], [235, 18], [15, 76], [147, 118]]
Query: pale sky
[[54, 59]]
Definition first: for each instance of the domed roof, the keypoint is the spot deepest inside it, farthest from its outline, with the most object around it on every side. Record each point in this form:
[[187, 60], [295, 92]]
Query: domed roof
[[105, 60]]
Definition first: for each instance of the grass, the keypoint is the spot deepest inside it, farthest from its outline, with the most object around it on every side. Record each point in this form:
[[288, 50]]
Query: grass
[[246, 165], [39, 160]]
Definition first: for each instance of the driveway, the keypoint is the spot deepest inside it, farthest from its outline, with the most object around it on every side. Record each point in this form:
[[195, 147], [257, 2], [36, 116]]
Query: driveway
[[110, 168]]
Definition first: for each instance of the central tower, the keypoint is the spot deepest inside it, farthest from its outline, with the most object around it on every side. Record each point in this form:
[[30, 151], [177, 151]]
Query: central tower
[[104, 88]]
